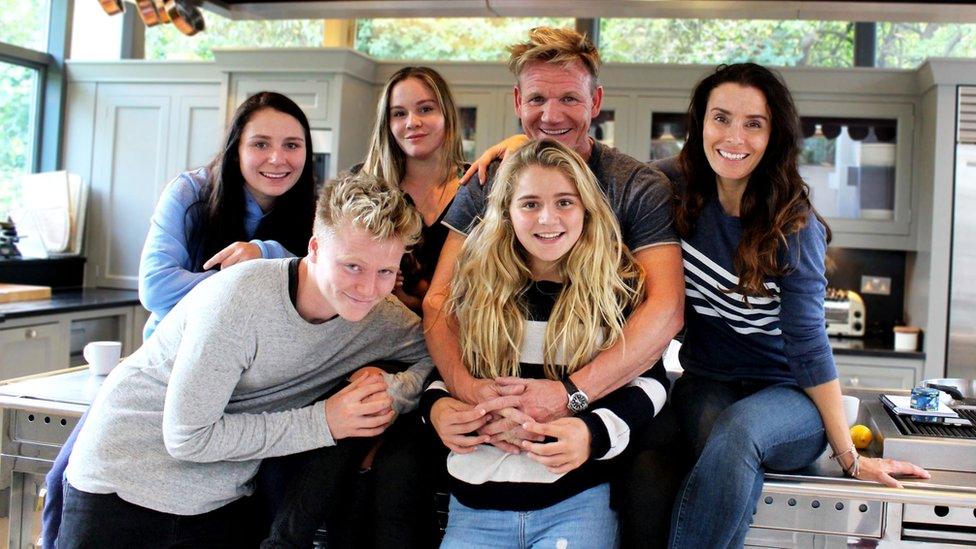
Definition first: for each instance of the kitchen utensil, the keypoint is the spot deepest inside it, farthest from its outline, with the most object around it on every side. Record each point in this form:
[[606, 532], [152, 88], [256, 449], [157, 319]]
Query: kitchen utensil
[[112, 7], [962, 391], [186, 17], [148, 12]]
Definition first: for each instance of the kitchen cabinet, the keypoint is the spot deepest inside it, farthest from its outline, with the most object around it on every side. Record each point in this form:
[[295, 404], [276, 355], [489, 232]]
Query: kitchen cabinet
[[30, 349], [878, 372], [311, 92], [131, 132], [44, 343], [860, 172]]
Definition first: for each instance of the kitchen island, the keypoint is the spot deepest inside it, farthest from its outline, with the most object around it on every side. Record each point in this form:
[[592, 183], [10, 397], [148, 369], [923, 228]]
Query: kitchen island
[[815, 507]]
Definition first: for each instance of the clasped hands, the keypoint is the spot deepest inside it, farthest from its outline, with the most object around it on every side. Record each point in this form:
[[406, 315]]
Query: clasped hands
[[515, 415], [363, 408]]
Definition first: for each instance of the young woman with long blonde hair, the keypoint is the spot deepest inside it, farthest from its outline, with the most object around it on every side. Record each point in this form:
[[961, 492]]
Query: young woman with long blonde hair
[[543, 284], [416, 146]]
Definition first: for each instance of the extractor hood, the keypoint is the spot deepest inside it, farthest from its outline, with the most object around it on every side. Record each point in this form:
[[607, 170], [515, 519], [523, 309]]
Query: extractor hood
[[958, 11]]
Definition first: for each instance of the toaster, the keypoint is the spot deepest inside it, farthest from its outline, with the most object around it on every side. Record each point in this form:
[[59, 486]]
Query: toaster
[[844, 312]]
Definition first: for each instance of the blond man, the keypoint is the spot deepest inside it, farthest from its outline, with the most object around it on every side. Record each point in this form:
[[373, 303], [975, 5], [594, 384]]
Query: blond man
[[177, 433]]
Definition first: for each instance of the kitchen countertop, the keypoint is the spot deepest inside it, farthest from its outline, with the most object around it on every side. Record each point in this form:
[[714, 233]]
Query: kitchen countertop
[[65, 301], [70, 391], [870, 346]]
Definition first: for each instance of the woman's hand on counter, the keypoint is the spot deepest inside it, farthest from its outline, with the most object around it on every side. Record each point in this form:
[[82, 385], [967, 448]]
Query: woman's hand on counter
[[881, 470]]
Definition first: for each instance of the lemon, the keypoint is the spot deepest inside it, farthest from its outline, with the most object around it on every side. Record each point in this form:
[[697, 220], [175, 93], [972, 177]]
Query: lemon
[[861, 436]]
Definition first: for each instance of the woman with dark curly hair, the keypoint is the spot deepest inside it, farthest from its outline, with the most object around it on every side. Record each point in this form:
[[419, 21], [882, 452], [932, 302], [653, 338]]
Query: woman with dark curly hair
[[760, 388]]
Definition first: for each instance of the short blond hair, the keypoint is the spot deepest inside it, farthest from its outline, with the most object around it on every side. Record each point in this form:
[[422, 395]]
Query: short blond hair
[[369, 203], [555, 45]]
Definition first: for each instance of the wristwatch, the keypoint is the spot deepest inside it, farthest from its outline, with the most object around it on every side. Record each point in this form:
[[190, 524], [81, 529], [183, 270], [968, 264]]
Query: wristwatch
[[578, 401]]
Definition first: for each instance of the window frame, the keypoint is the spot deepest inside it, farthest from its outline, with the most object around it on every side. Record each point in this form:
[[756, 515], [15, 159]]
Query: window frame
[[49, 99]]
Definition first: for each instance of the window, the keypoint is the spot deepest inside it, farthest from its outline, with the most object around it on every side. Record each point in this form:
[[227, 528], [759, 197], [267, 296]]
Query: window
[[24, 23], [713, 41], [19, 88], [165, 42], [94, 34], [458, 39], [907, 45], [24, 62]]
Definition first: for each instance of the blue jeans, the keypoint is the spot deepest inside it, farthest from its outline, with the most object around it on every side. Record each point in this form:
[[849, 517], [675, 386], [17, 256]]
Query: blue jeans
[[738, 430], [51, 514], [583, 521]]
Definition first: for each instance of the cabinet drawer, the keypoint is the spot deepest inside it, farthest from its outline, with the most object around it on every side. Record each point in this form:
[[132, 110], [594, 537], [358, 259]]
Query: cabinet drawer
[[876, 377], [29, 350]]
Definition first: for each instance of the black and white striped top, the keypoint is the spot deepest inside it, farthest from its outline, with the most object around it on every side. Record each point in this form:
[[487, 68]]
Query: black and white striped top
[[489, 478]]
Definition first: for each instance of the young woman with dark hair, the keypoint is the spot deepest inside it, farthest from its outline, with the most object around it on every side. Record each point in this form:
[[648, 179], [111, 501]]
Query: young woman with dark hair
[[760, 388], [255, 199]]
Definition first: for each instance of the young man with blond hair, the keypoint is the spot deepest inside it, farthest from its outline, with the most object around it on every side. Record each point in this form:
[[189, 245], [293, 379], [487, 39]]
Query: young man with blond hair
[[178, 430], [557, 94]]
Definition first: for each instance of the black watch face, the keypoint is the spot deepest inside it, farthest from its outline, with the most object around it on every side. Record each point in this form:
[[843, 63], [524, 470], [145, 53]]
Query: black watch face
[[577, 402]]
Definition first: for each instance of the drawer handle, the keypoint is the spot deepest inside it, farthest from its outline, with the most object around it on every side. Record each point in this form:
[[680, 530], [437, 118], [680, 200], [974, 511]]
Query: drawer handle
[[31, 333], [41, 496]]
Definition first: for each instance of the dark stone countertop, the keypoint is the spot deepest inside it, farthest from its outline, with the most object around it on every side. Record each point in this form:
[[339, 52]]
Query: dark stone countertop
[[871, 346], [66, 301]]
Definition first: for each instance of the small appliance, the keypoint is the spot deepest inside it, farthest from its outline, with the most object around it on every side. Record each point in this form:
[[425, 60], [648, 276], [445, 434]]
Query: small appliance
[[845, 314]]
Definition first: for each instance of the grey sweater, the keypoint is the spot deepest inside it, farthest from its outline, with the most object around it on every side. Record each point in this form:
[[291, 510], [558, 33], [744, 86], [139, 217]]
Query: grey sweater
[[181, 426]]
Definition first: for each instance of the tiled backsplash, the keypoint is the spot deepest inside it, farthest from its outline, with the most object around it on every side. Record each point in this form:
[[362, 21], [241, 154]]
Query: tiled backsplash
[[846, 266]]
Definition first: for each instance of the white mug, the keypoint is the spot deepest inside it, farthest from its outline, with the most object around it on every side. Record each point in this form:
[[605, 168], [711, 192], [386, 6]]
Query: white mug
[[102, 356], [851, 406]]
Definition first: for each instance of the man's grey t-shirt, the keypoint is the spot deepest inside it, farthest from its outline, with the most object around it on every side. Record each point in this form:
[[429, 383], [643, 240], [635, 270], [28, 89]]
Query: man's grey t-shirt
[[639, 195]]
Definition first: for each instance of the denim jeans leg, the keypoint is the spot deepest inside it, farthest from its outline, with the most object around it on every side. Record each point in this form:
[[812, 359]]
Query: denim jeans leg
[[51, 514], [584, 521], [469, 528], [777, 428], [698, 402]]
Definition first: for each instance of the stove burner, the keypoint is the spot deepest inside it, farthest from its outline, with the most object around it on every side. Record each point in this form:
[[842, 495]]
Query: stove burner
[[908, 426]]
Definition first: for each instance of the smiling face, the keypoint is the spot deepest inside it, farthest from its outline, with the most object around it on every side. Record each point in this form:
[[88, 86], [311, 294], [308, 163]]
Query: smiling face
[[547, 216], [272, 155], [736, 131], [351, 271], [416, 119], [557, 102]]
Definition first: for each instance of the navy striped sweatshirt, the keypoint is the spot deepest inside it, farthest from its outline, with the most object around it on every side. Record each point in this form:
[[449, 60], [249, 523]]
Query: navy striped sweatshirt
[[489, 478], [728, 336]]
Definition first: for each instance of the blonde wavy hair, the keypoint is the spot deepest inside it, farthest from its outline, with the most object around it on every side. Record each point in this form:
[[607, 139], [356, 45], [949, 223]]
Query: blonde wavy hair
[[369, 203], [601, 281], [555, 45], [385, 157]]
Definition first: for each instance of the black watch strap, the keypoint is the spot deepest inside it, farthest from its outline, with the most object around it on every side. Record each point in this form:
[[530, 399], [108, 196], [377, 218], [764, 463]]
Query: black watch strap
[[571, 388]]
